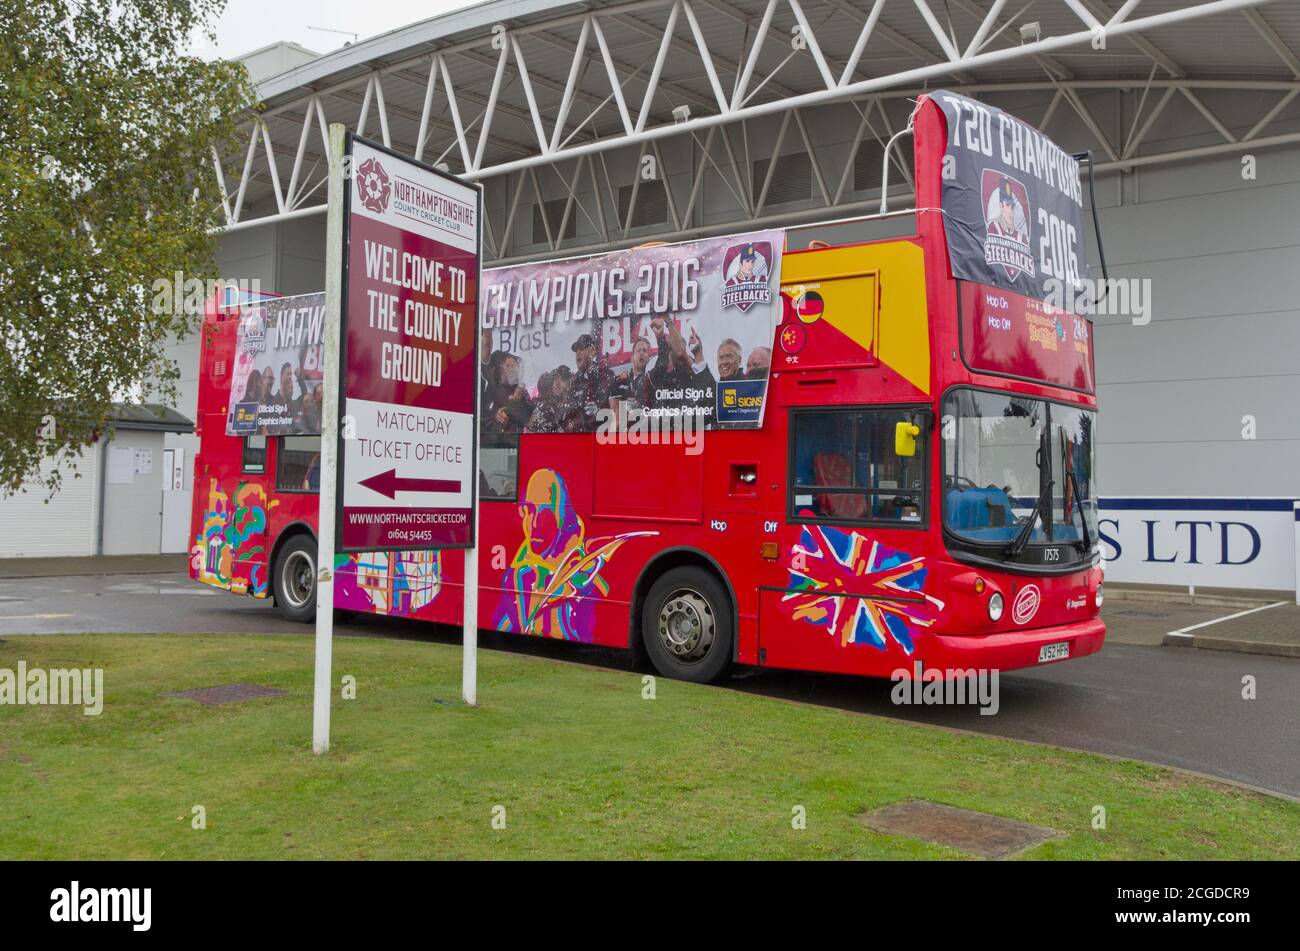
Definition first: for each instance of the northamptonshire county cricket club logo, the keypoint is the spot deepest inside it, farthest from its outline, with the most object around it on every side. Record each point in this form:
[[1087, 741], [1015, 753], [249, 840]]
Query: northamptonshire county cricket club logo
[[373, 186], [747, 268], [252, 331], [1006, 218]]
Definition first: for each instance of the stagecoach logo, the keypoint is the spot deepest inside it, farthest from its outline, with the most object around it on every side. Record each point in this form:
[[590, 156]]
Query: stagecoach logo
[[373, 186], [747, 267], [1026, 604], [1006, 219]]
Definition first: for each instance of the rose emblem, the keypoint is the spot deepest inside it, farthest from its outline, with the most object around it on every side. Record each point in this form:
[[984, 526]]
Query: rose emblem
[[373, 186]]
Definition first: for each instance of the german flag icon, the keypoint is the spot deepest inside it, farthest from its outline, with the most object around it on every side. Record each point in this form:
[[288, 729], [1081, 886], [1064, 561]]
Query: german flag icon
[[809, 306]]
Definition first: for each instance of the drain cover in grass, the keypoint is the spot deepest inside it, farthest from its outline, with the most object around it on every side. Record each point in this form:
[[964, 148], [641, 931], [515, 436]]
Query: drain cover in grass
[[976, 832], [227, 693]]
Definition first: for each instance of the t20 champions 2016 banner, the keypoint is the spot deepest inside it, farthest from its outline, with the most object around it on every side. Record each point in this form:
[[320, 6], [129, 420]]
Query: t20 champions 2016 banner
[[275, 384], [681, 330], [1012, 202]]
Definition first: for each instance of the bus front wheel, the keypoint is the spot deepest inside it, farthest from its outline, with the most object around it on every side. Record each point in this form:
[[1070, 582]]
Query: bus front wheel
[[294, 581], [686, 626]]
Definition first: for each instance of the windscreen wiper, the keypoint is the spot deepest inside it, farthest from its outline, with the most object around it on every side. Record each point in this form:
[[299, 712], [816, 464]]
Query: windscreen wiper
[[1078, 504], [1021, 540]]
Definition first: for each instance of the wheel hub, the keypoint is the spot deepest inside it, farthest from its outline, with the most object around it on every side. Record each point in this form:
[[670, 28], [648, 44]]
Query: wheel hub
[[299, 579], [686, 625]]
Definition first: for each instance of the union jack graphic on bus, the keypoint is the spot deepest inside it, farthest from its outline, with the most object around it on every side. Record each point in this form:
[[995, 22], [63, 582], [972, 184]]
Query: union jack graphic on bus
[[861, 591]]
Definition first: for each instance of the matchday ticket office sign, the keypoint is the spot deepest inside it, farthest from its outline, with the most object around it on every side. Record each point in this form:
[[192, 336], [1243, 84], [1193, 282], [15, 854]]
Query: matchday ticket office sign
[[408, 359]]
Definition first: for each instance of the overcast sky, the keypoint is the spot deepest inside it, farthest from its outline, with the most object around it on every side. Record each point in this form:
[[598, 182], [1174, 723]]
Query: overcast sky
[[251, 24]]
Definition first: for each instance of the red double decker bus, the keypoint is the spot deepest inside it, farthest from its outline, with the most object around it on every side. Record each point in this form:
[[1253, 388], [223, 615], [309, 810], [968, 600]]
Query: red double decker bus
[[853, 459]]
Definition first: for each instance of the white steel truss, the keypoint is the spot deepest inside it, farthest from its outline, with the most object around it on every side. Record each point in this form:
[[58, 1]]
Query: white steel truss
[[711, 70]]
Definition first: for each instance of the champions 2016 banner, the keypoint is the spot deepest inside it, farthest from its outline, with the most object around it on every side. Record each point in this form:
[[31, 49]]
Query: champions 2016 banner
[[1012, 202], [275, 387], [656, 334]]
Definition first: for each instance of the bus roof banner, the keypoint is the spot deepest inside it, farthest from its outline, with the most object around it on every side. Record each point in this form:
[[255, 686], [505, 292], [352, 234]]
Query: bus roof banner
[[408, 357], [275, 384], [662, 333], [1012, 202]]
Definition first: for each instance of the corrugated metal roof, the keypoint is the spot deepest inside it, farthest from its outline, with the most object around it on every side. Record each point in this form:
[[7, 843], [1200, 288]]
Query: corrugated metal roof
[[1225, 46]]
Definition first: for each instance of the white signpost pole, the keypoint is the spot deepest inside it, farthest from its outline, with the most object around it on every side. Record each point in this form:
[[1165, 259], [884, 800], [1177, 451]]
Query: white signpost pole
[[325, 524], [469, 656]]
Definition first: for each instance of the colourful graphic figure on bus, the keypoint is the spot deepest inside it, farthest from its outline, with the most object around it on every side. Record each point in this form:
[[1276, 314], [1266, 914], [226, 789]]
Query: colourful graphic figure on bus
[[399, 583], [230, 551], [828, 563], [556, 571]]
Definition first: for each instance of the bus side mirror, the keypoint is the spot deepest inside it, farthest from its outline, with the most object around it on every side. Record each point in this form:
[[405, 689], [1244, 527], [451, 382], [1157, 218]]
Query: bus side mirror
[[905, 438]]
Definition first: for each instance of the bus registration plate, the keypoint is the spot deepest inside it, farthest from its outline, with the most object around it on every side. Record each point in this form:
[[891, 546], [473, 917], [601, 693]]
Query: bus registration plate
[[1053, 652]]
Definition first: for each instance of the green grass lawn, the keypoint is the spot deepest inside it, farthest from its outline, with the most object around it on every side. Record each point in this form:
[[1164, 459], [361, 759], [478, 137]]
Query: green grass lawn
[[584, 767]]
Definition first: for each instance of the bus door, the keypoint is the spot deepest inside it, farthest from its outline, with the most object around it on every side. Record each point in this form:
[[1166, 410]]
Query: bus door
[[857, 513]]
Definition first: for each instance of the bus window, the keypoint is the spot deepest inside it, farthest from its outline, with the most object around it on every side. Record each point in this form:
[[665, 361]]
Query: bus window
[[299, 464], [254, 454], [844, 468], [498, 466]]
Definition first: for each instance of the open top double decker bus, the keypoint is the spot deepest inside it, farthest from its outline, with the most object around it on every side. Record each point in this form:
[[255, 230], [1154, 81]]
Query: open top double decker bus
[[857, 459]]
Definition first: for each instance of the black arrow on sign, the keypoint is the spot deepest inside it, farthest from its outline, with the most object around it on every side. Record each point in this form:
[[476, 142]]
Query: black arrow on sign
[[390, 483]]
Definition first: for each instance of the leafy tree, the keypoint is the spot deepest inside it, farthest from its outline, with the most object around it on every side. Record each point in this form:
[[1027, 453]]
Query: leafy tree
[[107, 130]]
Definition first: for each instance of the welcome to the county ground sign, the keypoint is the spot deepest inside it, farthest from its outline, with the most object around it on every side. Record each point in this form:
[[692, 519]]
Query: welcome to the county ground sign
[[408, 362]]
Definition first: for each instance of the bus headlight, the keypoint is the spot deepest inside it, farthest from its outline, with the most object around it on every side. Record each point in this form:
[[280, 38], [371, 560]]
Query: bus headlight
[[995, 606], [1099, 595]]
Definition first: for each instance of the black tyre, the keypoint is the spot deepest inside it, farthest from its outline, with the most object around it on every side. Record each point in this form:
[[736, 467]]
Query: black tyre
[[686, 626], [294, 579]]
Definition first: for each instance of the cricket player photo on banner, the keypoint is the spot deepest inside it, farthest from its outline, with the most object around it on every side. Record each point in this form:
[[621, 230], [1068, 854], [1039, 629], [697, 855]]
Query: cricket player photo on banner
[[677, 332]]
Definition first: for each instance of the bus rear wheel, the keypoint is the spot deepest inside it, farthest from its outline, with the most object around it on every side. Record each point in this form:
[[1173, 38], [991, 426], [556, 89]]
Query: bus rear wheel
[[686, 626], [294, 580]]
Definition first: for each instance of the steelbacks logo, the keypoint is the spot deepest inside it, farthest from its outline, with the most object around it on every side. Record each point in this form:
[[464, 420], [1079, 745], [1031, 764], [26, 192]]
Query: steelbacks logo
[[373, 186], [747, 268], [252, 331], [1006, 218]]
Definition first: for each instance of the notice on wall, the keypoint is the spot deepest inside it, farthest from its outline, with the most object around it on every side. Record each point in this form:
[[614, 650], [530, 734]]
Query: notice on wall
[[121, 470], [142, 461]]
